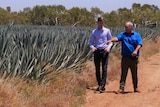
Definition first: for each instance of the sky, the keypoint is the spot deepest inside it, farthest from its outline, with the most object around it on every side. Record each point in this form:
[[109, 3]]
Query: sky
[[103, 5]]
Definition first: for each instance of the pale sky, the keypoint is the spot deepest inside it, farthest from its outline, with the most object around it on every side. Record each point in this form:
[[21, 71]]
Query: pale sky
[[104, 5]]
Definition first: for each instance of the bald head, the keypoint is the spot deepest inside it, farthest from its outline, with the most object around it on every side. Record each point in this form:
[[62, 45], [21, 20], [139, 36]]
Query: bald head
[[128, 27], [129, 24]]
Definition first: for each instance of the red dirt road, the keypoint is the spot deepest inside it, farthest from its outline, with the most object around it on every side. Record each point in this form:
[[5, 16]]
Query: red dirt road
[[149, 85]]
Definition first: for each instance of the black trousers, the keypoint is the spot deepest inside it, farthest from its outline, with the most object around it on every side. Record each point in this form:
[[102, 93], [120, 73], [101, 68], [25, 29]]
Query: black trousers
[[101, 59], [126, 63]]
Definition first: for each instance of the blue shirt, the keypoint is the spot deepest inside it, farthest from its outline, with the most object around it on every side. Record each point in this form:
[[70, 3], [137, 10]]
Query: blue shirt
[[99, 38], [129, 42]]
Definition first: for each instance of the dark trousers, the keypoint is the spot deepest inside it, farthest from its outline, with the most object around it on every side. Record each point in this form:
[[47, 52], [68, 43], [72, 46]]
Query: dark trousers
[[101, 56], [129, 62]]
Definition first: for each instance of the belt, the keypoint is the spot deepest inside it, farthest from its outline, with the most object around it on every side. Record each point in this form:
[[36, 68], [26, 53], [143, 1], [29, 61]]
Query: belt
[[131, 57], [100, 48]]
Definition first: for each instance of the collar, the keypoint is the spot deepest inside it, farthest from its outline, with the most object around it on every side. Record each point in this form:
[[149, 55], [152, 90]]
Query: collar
[[125, 33], [100, 29]]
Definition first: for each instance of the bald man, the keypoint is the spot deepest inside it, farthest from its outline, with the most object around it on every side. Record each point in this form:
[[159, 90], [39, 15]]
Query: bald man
[[131, 42]]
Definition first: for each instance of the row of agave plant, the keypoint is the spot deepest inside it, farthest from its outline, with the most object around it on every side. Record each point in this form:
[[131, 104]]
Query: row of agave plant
[[27, 51]]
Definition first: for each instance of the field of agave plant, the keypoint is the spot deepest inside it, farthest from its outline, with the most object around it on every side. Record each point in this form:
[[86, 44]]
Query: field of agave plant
[[27, 51]]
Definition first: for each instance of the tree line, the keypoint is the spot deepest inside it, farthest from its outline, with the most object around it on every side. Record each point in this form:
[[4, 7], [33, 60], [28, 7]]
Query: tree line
[[140, 15]]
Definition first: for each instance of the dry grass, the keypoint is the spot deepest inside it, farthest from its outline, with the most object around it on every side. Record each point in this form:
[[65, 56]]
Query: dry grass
[[150, 48], [63, 91], [66, 89]]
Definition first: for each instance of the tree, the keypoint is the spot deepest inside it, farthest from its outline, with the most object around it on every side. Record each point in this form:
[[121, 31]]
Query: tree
[[8, 8], [124, 15], [27, 9], [136, 14], [75, 15], [4, 16], [39, 14], [96, 12], [111, 19]]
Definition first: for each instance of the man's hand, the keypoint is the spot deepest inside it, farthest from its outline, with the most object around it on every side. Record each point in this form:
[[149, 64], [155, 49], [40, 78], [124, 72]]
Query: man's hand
[[114, 39], [94, 49], [136, 50], [134, 53], [108, 42], [107, 50]]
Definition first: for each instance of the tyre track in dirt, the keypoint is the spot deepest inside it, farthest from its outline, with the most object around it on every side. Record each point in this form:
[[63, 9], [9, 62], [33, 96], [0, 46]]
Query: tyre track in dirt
[[149, 85]]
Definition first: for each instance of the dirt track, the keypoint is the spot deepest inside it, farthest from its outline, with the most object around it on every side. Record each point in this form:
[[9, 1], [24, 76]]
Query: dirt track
[[149, 85]]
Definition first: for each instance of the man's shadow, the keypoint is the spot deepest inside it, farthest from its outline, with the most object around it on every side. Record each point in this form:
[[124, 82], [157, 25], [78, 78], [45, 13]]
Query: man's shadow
[[108, 91]]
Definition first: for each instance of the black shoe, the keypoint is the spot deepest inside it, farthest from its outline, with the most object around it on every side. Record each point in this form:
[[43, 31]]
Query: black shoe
[[136, 90], [102, 88], [120, 91], [98, 88]]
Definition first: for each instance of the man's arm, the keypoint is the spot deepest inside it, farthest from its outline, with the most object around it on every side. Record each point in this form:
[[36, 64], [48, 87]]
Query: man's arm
[[136, 50], [114, 39]]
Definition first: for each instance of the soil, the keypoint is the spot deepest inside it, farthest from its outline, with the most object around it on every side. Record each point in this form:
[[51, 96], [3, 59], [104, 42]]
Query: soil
[[149, 86]]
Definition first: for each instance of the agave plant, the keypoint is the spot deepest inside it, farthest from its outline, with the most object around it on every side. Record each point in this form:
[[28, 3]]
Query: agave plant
[[23, 49]]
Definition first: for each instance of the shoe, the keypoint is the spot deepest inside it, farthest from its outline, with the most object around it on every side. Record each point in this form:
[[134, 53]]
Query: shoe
[[136, 90], [98, 88], [120, 91], [102, 88]]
